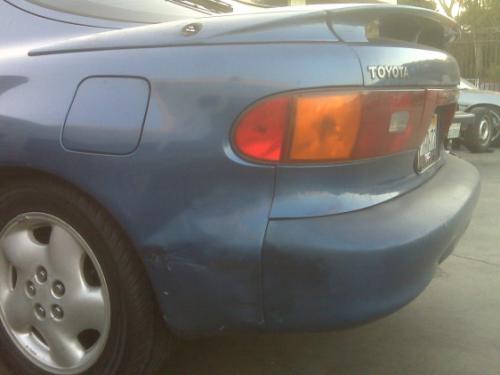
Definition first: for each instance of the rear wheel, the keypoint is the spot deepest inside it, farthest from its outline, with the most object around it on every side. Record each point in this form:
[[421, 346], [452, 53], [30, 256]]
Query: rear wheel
[[478, 137], [73, 296]]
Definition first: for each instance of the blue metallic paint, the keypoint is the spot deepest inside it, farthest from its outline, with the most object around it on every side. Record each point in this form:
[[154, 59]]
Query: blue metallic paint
[[336, 271], [426, 67], [286, 26], [334, 189], [104, 109], [197, 190], [196, 212]]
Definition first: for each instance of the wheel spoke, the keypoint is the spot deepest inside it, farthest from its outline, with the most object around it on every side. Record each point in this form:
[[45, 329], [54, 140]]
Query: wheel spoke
[[85, 310], [18, 309], [64, 350], [65, 254], [22, 251]]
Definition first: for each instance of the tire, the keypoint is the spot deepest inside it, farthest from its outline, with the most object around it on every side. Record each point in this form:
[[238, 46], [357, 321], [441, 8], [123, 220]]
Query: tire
[[495, 115], [74, 282], [478, 136]]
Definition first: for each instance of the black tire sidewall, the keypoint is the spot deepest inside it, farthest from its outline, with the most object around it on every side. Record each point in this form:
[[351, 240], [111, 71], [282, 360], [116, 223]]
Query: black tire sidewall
[[472, 139], [496, 112]]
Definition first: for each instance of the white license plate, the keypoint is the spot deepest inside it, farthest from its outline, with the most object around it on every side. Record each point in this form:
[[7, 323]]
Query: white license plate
[[454, 131], [428, 152]]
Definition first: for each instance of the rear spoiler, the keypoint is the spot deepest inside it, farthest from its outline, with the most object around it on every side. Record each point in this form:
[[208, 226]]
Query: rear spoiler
[[370, 23], [350, 23]]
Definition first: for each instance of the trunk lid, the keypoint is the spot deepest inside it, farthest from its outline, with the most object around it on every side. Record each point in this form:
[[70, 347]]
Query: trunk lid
[[362, 25]]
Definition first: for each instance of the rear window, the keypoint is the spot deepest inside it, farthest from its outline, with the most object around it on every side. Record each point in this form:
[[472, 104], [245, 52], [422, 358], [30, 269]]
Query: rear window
[[143, 11]]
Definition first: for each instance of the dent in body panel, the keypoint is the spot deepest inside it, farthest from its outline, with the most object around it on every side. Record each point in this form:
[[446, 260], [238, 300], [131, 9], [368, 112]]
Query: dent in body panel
[[10, 82], [196, 213]]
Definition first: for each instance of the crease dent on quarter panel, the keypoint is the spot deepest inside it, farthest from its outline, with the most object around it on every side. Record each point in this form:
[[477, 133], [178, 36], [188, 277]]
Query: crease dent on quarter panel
[[262, 303]]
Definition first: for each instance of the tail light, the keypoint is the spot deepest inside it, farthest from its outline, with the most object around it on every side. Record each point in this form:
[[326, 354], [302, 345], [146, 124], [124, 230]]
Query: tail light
[[339, 125]]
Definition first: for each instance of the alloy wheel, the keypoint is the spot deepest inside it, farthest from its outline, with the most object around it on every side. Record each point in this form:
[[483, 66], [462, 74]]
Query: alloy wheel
[[54, 300]]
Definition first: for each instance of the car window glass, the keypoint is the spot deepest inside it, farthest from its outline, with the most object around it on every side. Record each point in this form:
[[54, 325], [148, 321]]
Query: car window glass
[[146, 11], [464, 84]]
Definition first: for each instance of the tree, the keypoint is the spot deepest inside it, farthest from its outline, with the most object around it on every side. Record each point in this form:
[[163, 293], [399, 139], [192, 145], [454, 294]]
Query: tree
[[449, 5], [480, 23], [479, 14]]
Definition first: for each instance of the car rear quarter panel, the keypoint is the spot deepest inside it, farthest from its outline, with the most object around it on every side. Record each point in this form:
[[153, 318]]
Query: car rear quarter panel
[[196, 212]]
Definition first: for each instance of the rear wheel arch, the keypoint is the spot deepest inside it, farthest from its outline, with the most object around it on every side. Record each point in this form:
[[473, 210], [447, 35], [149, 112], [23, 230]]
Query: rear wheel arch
[[25, 178], [483, 105], [10, 175]]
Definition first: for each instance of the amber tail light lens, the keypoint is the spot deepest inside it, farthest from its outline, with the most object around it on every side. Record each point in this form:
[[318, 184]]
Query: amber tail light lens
[[325, 127], [338, 126]]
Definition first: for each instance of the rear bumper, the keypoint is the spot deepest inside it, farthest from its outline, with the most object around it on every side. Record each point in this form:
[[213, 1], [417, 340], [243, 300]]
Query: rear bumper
[[341, 270]]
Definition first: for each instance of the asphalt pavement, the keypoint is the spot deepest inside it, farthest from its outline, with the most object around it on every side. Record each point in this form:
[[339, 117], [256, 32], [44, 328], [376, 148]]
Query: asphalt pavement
[[452, 328]]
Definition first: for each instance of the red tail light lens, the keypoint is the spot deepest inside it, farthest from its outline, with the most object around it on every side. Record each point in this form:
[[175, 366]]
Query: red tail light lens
[[261, 131], [390, 123], [338, 126]]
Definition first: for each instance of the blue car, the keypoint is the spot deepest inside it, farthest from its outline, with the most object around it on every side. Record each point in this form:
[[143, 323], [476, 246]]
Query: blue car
[[193, 168]]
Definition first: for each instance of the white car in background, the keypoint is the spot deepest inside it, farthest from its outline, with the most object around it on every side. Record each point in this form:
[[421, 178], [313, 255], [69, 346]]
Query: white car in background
[[485, 105]]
